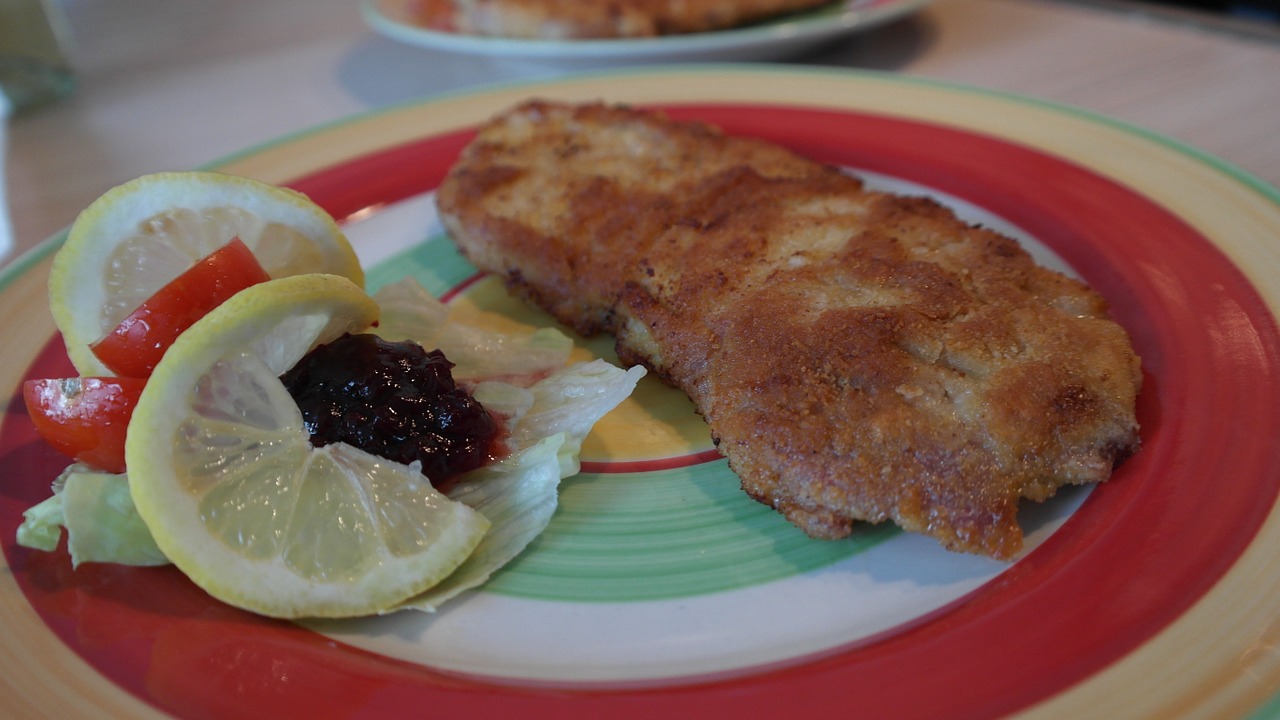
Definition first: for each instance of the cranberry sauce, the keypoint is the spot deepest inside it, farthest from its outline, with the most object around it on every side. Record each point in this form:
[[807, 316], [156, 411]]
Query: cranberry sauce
[[392, 399]]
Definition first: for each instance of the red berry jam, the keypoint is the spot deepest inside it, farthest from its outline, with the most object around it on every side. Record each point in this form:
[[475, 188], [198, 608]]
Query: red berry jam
[[394, 400]]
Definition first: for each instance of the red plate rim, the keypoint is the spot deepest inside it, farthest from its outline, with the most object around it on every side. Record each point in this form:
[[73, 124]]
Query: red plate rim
[[1141, 550]]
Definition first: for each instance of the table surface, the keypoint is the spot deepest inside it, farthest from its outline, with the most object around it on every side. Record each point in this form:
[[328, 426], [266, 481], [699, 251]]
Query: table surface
[[166, 85]]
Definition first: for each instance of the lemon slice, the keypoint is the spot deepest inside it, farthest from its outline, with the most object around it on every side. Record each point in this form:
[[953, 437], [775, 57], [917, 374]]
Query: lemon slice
[[223, 473], [140, 235]]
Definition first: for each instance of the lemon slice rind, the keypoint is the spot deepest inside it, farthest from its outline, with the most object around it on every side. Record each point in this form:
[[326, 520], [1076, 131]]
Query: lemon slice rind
[[224, 476], [138, 236]]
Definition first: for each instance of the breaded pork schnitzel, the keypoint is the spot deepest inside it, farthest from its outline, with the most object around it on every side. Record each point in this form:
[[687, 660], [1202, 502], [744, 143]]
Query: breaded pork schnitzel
[[581, 19], [857, 355]]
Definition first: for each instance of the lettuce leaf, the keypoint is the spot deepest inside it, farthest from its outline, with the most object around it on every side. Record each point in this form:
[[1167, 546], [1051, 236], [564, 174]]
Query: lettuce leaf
[[98, 514], [409, 312], [518, 495], [42, 524]]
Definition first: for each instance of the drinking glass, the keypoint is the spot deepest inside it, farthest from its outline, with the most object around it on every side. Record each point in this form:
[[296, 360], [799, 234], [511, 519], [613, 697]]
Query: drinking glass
[[33, 67]]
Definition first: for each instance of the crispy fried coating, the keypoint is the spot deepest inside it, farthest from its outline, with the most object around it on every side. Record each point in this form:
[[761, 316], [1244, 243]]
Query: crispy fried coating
[[857, 355], [582, 19]]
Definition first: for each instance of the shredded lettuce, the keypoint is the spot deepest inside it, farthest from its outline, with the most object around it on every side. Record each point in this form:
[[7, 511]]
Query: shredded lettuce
[[409, 312], [550, 407], [98, 514], [42, 524], [518, 497]]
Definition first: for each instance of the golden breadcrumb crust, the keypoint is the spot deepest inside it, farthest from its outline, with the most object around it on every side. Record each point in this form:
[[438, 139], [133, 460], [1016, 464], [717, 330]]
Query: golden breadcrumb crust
[[857, 355]]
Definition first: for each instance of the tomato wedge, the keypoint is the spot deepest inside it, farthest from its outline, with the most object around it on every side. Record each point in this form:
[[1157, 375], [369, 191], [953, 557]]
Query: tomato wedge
[[134, 347], [85, 418]]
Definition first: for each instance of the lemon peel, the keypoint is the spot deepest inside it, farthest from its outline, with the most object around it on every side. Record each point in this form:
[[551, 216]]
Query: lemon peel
[[222, 471], [142, 234]]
